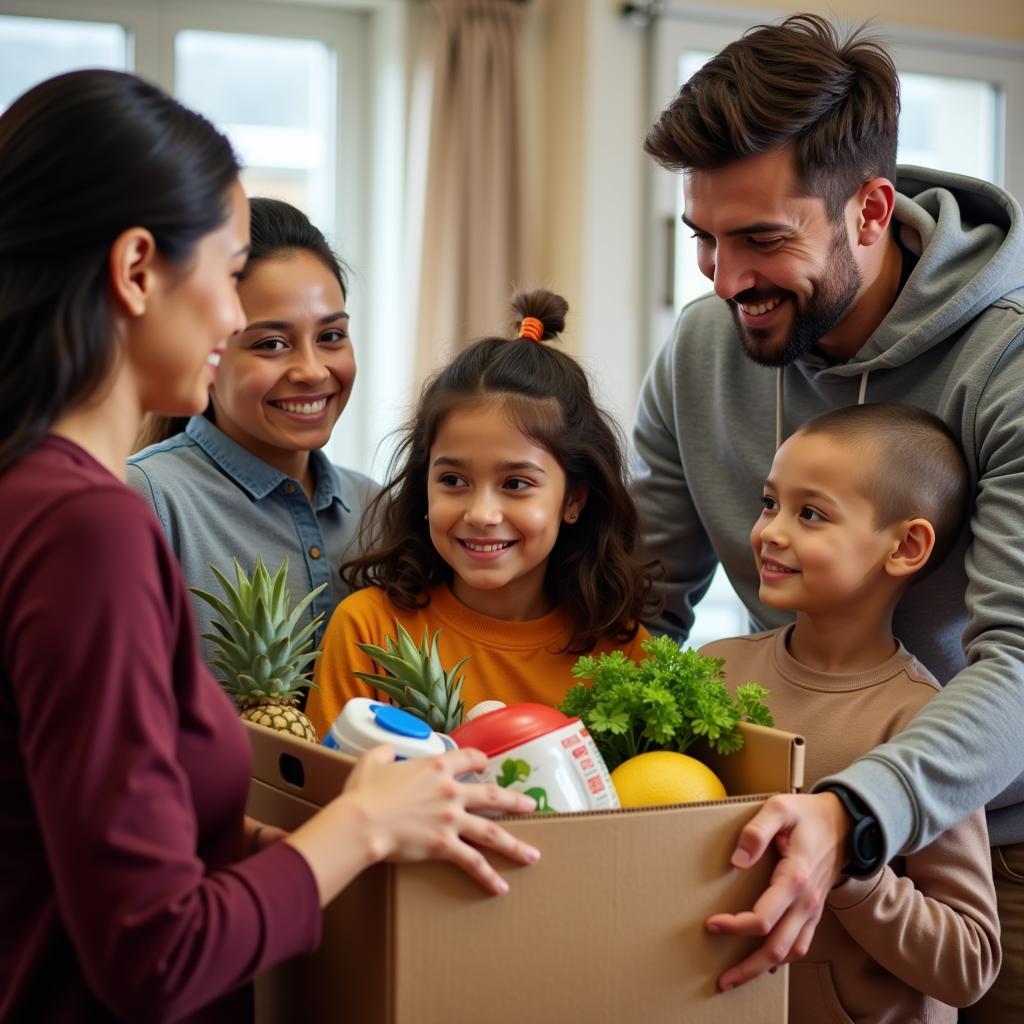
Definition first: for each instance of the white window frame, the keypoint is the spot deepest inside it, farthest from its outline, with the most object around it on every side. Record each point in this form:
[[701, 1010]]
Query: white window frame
[[370, 36]]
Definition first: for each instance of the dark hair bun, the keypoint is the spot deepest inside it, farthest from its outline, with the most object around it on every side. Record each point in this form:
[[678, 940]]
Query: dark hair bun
[[547, 307]]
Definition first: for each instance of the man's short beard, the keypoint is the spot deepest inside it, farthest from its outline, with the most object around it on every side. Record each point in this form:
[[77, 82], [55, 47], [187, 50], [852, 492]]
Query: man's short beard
[[834, 293]]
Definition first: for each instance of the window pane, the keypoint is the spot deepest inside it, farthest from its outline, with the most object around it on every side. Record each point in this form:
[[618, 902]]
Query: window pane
[[33, 49], [720, 613], [274, 98], [952, 124]]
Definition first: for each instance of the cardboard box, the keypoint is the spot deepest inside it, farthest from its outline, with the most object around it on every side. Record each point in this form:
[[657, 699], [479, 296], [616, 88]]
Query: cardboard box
[[607, 928]]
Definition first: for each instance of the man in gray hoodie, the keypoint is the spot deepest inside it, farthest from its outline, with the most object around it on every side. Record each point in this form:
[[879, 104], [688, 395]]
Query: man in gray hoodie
[[837, 280]]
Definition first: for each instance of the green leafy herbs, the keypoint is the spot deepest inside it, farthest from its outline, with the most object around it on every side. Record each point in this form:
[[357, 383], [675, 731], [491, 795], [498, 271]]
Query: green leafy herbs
[[666, 702]]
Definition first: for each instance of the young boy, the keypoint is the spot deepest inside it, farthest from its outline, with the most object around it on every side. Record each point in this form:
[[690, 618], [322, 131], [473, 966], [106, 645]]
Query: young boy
[[858, 502]]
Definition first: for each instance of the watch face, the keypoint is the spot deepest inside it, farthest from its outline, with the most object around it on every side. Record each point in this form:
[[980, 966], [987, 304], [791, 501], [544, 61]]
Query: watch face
[[866, 845]]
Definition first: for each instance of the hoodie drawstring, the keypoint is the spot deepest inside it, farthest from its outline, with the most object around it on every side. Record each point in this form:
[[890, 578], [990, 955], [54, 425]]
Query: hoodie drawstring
[[778, 409], [861, 394], [863, 387]]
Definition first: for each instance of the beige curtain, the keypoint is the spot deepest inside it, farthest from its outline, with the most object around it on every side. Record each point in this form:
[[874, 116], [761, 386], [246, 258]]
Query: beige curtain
[[465, 174]]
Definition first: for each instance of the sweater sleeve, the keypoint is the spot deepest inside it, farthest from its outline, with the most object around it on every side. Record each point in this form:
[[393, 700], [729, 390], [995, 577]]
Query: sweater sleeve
[[936, 927], [670, 526], [98, 674], [339, 659], [963, 749]]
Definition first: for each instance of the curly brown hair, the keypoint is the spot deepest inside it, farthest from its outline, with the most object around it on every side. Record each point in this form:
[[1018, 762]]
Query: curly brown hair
[[594, 573]]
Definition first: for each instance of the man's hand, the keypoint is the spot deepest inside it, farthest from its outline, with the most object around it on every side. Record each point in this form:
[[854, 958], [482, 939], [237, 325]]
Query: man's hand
[[810, 833]]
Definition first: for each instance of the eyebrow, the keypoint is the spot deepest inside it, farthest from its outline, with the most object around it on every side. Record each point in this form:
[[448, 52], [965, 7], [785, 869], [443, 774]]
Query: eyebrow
[[804, 492], [447, 460], [284, 325], [757, 228]]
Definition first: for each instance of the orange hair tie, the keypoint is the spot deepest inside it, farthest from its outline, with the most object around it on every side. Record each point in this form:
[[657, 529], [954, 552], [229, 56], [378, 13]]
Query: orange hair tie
[[531, 328]]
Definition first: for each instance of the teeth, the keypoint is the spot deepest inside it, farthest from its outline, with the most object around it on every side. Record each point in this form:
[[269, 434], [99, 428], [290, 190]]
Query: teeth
[[305, 408], [487, 547], [761, 308], [775, 567], [213, 359]]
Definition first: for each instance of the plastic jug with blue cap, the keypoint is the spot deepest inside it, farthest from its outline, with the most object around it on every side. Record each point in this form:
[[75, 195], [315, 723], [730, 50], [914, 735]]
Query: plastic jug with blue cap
[[365, 723]]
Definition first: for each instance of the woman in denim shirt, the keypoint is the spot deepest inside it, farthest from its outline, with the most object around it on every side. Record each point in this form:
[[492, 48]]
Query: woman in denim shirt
[[248, 478]]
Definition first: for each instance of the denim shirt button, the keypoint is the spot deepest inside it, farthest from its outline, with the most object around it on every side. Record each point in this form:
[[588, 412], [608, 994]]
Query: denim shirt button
[[289, 488], [314, 552]]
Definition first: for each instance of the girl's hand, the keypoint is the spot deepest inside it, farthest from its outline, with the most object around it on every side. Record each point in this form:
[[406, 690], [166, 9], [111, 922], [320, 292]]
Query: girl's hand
[[417, 810]]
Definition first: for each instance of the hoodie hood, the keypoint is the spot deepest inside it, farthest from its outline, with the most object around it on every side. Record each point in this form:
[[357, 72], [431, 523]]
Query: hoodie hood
[[969, 239]]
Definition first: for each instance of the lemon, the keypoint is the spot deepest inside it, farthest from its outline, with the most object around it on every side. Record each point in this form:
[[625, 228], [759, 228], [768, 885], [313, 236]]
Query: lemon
[[665, 777]]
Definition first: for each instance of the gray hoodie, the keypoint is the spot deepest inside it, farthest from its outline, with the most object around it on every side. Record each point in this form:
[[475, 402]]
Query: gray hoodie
[[709, 421]]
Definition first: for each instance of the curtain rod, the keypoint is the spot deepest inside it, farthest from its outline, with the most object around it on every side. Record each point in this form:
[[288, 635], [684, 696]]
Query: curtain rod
[[644, 13]]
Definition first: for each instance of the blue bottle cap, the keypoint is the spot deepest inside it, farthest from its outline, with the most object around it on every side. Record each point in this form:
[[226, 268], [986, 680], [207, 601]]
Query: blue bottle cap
[[400, 722]]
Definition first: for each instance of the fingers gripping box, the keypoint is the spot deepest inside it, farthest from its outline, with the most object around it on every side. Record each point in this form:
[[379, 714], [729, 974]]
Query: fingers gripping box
[[607, 928]]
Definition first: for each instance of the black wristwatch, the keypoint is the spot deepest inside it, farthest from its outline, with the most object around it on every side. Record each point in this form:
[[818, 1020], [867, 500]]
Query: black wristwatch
[[864, 845]]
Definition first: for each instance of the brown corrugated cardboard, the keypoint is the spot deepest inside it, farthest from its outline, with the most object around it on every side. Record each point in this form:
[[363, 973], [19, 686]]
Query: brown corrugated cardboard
[[608, 927]]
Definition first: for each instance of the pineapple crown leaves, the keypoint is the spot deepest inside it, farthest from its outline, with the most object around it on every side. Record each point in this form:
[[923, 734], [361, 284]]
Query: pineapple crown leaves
[[262, 653], [667, 701], [417, 681]]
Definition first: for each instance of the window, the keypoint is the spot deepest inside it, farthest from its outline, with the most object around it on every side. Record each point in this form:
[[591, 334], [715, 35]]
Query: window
[[312, 98], [274, 99], [32, 49]]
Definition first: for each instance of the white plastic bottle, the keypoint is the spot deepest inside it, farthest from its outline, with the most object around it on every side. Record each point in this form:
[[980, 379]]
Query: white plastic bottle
[[365, 723]]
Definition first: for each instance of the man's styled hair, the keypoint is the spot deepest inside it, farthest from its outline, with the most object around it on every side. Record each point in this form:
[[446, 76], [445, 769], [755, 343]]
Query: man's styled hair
[[911, 465], [835, 99]]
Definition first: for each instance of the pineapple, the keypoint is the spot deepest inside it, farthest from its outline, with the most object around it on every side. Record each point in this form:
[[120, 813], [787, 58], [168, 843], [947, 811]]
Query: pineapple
[[416, 682], [263, 660]]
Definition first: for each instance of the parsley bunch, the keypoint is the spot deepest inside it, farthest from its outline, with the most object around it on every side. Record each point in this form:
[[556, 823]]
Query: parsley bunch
[[665, 703]]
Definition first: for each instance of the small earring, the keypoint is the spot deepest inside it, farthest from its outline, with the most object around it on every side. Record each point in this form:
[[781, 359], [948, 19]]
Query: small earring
[[571, 517], [426, 515]]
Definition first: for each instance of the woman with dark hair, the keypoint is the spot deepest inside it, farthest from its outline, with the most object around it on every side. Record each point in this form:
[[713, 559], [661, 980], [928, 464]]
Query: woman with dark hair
[[251, 470], [132, 886]]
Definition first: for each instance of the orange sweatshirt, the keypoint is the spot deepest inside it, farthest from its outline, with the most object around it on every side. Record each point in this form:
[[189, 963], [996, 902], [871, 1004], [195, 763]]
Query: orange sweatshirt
[[509, 661], [921, 936]]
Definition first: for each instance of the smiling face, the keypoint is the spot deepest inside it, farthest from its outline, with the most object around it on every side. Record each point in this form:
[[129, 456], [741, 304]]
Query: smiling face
[[816, 544], [188, 318], [788, 273], [496, 504], [285, 379]]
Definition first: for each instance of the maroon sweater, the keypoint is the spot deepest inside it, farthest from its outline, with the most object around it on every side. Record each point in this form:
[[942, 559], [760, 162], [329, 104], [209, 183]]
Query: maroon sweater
[[124, 890]]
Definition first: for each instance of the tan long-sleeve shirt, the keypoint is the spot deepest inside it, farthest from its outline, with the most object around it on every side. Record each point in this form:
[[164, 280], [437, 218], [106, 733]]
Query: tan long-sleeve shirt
[[920, 937]]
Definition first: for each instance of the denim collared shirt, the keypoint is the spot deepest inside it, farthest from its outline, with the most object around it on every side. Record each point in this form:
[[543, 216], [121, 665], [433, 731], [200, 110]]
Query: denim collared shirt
[[216, 501]]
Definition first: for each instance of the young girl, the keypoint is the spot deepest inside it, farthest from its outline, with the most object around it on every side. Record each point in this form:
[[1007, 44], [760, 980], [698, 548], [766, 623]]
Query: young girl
[[132, 885], [507, 524], [248, 478]]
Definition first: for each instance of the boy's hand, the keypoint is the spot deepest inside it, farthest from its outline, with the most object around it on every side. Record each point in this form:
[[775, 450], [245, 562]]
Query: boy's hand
[[810, 833]]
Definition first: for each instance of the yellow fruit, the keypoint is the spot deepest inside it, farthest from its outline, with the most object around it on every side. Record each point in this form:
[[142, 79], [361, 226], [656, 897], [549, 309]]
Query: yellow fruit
[[665, 777]]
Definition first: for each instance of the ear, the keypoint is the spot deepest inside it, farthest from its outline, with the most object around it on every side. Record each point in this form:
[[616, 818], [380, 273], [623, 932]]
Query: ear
[[875, 203], [132, 268], [574, 502], [914, 543]]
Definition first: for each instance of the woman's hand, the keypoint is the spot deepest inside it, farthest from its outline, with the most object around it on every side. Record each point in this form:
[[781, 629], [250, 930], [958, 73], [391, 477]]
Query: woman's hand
[[411, 811], [418, 810]]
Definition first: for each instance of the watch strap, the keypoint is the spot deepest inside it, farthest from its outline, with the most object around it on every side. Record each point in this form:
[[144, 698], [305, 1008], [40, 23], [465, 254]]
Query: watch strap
[[864, 846]]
